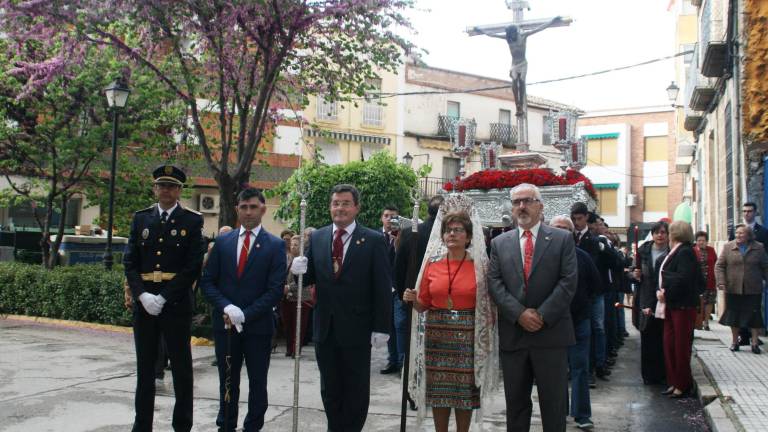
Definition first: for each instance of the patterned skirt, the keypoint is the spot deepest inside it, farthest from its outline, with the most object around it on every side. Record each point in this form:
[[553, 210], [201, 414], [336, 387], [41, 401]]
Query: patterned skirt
[[449, 357]]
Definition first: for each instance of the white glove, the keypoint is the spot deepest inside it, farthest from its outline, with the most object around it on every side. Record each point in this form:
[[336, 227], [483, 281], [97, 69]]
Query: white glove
[[379, 340], [299, 265], [236, 316], [150, 303]]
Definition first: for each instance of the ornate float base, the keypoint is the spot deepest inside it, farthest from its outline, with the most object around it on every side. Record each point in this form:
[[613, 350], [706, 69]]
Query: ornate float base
[[495, 206]]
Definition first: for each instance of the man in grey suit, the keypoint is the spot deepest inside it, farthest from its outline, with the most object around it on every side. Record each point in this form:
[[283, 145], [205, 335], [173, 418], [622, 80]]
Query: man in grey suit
[[532, 276]]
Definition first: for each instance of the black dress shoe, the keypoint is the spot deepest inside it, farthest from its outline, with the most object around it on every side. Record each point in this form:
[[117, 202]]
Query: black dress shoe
[[755, 349], [734, 347], [390, 369]]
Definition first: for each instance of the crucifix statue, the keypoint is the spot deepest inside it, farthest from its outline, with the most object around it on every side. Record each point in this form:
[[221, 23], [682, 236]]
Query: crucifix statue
[[516, 34]]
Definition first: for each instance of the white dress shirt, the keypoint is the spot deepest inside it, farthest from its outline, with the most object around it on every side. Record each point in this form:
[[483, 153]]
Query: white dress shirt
[[535, 234], [169, 211], [344, 238], [241, 240]]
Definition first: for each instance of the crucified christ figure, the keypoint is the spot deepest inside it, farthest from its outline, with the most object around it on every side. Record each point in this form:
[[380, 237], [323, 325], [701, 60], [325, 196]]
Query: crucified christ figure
[[516, 38]]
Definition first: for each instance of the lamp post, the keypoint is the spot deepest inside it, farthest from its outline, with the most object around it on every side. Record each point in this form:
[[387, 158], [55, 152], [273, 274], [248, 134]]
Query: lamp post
[[408, 158], [672, 91], [117, 94]]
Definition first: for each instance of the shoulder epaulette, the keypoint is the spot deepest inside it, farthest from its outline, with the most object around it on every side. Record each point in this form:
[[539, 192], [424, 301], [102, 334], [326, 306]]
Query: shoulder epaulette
[[150, 208], [193, 211]]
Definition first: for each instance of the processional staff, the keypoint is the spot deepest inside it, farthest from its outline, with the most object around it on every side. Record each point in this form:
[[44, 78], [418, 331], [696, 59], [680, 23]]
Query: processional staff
[[414, 265], [302, 189]]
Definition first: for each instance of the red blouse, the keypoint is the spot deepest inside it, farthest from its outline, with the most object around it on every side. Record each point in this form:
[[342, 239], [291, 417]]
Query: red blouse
[[433, 291]]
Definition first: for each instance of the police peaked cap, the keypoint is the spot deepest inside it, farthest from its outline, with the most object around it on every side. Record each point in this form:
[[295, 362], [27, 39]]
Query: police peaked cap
[[169, 174]]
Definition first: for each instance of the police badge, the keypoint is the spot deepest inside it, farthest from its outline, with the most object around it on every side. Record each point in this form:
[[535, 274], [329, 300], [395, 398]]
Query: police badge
[[145, 233]]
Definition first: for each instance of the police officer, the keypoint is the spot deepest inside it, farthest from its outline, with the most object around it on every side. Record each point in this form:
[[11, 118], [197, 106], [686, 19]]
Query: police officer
[[164, 258]]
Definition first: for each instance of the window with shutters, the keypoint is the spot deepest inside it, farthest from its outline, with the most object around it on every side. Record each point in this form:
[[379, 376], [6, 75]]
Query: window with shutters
[[450, 168], [655, 199], [373, 110], [608, 202], [656, 148], [602, 152], [327, 110]]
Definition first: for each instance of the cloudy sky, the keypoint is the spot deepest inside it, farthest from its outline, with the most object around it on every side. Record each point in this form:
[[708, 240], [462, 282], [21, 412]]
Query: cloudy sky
[[604, 34]]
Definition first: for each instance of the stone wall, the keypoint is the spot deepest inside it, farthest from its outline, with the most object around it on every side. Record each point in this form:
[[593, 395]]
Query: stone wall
[[755, 84]]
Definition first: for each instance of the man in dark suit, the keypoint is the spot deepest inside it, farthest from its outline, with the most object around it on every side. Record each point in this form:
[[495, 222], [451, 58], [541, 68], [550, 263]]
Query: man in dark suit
[[163, 260], [403, 256], [396, 343], [348, 265], [532, 277], [243, 280]]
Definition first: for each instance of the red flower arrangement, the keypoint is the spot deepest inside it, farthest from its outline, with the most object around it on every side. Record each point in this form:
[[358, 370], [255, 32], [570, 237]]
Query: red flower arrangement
[[496, 179]]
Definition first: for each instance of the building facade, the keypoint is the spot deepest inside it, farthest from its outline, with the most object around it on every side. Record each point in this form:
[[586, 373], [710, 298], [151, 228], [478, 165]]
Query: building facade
[[630, 160]]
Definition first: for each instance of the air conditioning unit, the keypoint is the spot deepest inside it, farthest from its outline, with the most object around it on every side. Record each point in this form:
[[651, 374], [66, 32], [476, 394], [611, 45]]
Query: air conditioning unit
[[631, 200], [209, 203]]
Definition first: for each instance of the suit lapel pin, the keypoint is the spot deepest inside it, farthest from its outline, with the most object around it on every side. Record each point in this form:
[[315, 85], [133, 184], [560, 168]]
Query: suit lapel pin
[[173, 221], [362, 239], [145, 233], [357, 242], [258, 245], [546, 238]]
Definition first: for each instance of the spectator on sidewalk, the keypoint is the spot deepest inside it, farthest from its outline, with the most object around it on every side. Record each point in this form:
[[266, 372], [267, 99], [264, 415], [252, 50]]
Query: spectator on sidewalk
[[651, 254], [680, 281], [707, 259], [397, 336], [741, 270]]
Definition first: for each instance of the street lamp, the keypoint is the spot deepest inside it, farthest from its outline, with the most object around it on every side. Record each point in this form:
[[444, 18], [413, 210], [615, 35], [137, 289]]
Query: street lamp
[[408, 158], [672, 91], [117, 94]]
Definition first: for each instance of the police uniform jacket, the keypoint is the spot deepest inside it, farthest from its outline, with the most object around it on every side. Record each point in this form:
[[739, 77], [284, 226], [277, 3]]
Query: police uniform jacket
[[165, 258]]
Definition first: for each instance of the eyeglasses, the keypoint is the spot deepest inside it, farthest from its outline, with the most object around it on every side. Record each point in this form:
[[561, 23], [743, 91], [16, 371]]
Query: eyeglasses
[[455, 230], [524, 201], [342, 204]]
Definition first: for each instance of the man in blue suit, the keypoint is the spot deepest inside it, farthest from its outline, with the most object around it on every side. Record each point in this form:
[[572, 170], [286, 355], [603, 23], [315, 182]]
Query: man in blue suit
[[243, 280], [349, 265]]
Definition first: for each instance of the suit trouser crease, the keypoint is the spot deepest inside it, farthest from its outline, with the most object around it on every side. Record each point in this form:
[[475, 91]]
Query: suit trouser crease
[[255, 349], [345, 374], [397, 336], [174, 325], [549, 366], [597, 342]]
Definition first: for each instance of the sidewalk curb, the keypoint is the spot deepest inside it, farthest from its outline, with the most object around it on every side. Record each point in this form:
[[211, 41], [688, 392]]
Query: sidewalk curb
[[719, 417], [196, 341]]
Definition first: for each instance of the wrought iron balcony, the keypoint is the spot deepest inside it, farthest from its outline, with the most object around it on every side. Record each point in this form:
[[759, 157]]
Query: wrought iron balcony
[[443, 125], [431, 186], [504, 134]]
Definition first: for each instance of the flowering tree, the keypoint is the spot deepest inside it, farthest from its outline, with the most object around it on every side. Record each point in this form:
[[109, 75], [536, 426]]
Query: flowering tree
[[226, 60], [54, 139]]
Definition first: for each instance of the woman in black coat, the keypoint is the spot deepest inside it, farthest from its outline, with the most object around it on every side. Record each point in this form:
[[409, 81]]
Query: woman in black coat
[[651, 255], [680, 283]]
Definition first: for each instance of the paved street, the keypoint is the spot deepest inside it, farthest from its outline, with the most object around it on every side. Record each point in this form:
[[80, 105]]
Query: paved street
[[74, 379]]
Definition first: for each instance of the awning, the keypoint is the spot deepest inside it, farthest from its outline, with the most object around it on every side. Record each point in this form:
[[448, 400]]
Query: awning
[[346, 136], [605, 185], [601, 136]]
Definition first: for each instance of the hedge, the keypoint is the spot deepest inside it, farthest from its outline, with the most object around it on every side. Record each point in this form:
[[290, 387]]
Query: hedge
[[79, 293]]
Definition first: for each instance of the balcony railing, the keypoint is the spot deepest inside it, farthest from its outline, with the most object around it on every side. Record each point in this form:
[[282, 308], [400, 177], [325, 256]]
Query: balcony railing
[[443, 125], [699, 91], [504, 134], [431, 186], [373, 114]]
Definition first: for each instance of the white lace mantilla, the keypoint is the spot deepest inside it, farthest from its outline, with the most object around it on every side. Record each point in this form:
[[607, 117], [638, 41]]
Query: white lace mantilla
[[486, 350]]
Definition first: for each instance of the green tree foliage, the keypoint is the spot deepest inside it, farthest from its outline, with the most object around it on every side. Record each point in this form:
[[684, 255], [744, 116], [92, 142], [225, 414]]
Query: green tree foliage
[[381, 180], [55, 141]]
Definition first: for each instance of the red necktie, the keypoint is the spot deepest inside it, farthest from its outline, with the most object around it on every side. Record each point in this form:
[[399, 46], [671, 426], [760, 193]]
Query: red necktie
[[338, 252], [243, 254], [528, 255]]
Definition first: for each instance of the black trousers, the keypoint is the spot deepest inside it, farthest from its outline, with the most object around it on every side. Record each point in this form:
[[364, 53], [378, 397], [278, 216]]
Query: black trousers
[[256, 349], [611, 321], [549, 366], [652, 366], [174, 325], [345, 383]]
